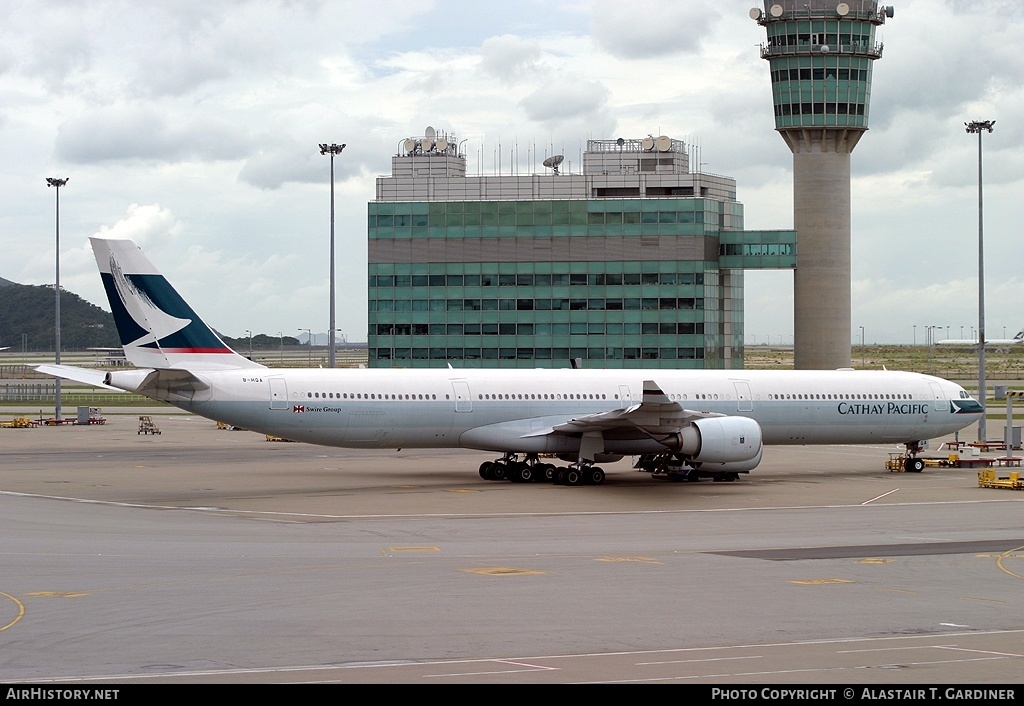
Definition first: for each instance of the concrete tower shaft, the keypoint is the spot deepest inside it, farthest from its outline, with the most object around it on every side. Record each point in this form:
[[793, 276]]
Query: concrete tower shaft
[[820, 53]]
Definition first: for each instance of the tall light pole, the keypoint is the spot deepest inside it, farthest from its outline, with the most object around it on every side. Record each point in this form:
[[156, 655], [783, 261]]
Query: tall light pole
[[863, 364], [281, 336], [57, 183], [332, 150], [979, 127], [309, 344], [249, 334]]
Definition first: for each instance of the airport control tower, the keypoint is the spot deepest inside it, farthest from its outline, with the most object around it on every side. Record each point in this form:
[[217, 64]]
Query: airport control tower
[[820, 53]]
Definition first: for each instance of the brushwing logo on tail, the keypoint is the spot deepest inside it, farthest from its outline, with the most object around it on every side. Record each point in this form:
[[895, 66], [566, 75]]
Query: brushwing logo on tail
[[144, 319], [155, 323]]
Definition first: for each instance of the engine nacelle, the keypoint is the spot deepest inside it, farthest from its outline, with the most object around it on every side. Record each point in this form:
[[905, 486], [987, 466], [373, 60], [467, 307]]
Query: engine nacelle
[[128, 380], [730, 466], [719, 440]]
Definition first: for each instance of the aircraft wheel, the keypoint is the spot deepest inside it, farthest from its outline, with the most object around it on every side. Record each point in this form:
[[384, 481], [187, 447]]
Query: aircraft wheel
[[545, 473], [485, 470], [573, 476], [498, 471], [914, 465], [520, 473], [595, 476], [559, 478]]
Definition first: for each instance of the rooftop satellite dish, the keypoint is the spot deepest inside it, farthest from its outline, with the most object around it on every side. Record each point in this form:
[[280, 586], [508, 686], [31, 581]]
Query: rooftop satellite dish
[[776, 10], [427, 144], [620, 142], [553, 162], [663, 143], [410, 145], [430, 132], [755, 13], [824, 49], [842, 9], [648, 143], [889, 11], [441, 144]]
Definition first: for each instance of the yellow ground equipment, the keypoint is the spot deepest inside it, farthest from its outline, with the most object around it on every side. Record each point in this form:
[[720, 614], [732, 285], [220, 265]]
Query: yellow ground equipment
[[19, 423], [989, 479]]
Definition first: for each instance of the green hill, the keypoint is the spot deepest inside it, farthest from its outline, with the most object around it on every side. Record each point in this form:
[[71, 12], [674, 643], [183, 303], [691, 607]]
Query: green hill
[[29, 310]]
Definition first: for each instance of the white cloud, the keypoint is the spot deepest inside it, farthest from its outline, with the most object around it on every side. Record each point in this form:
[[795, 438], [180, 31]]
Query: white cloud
[[651, 28], [508, 57], [132, 132], [561, 100]]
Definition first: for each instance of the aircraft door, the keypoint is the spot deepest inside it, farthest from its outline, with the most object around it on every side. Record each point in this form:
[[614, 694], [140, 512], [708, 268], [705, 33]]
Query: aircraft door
[[278, 393], [940, 399], [463, 400], [743, 400], [624, 395]]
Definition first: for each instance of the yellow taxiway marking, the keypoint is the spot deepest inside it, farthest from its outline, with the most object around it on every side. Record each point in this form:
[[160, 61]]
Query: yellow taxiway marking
[[504, 571], [19, 616], [1012, 553], [821, 582], [414, 549], [875, 561], [637, 559], [56, 594]]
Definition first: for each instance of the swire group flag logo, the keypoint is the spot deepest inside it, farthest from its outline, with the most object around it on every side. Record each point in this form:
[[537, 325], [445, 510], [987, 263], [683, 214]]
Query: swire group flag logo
[[299, 408]]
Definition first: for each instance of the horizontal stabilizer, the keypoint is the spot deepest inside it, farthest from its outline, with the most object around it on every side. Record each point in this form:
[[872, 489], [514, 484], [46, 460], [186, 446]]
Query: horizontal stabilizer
[[84, 375]]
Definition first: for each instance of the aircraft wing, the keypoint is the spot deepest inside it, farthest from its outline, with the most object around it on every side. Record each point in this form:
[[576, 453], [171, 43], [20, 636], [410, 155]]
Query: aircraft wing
[[96, 378], [656, 415]]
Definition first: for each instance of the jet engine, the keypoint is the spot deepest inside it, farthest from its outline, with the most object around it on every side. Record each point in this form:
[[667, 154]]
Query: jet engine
[[722, 443], [128, 380]]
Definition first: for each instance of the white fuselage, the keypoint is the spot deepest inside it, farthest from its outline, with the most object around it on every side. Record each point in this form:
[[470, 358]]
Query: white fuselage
[[509, 410]]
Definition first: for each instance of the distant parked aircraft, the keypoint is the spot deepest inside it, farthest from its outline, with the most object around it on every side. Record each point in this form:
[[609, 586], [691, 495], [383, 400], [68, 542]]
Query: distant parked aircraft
[[1019, 338]]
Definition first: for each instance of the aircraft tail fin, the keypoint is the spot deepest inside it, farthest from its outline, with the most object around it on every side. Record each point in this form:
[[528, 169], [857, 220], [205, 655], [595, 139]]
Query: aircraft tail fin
[[157, 328]]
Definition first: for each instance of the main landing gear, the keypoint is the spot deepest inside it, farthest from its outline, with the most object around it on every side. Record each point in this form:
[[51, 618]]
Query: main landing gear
[[530, 469], [676, 469]]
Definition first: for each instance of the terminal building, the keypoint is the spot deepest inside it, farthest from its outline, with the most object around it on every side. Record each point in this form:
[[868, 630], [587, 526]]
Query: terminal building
[[637, 262]]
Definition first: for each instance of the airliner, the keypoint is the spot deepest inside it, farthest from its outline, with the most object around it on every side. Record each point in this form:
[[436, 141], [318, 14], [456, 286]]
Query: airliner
[[678, 424], [1019, 338]]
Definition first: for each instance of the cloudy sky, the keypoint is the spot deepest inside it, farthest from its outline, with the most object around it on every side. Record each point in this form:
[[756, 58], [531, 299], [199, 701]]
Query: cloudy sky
[[192, 127]]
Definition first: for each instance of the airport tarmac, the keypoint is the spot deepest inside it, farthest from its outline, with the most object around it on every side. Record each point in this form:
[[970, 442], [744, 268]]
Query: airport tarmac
[[206, 555]]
